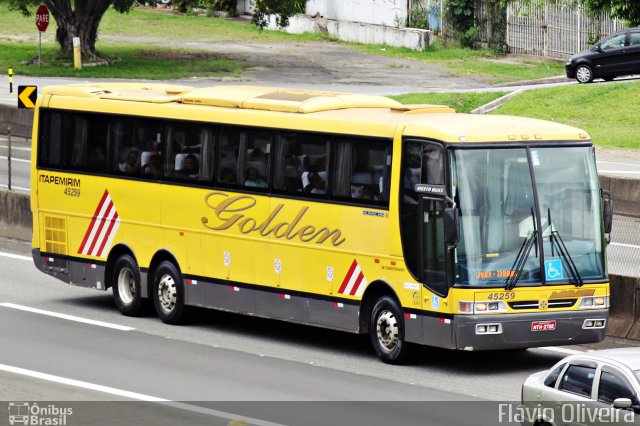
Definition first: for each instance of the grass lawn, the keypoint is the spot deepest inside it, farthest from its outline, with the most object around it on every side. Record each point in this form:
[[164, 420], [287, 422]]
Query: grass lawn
[[462, 102], [135, 61], [609, 112], [159, 27], [481, 63]]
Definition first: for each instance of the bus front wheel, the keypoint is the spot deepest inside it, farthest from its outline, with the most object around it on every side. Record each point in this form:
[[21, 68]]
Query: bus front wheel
[[387, 331], [125, 281], [168, 293]]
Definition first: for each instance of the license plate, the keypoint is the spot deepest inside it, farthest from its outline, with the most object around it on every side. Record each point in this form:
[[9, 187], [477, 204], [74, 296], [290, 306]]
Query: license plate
[[543, 325]]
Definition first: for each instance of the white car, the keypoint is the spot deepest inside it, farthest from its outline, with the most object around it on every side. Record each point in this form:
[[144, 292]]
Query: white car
[[591, 388]]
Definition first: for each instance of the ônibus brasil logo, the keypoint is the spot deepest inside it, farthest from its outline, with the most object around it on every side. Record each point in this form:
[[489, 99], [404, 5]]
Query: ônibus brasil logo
[[31, 414]]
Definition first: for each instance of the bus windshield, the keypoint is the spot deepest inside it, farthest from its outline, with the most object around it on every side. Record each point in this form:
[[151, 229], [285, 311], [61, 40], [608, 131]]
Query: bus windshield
[[505, 232]]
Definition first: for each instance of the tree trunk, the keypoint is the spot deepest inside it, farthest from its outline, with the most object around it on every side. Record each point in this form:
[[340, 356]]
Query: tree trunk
[[80, 22]]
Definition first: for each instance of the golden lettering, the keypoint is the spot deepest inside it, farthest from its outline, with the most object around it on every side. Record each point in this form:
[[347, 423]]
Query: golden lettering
[[234, 211]]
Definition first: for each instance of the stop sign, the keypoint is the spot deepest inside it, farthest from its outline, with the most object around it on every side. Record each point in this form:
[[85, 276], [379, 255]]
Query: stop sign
[[42, 18]]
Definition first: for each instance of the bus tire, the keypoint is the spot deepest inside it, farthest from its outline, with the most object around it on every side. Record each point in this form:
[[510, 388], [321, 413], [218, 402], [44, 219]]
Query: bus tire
[[168, 293], [127, 293], [387, 331]]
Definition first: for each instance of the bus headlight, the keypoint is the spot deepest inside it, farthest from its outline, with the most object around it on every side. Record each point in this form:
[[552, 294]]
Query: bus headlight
[[488, 307], [597, 302]]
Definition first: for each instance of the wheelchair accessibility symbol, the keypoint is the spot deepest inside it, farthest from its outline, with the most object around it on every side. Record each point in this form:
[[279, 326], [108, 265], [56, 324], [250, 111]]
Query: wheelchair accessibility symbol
[[553, 269]]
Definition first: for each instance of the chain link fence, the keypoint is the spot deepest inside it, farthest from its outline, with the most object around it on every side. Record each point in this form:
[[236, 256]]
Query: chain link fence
[[624, 250]]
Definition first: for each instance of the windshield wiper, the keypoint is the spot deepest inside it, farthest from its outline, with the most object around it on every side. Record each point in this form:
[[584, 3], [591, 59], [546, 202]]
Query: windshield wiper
[[523, 255], [556, 240]]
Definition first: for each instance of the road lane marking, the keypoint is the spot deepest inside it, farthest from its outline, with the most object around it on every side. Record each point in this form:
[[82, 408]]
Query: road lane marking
[[618, 163], [15, 148], [557, 349], [17, 188], [67, 317], [15, 256], [134, 395], [624, 245], [17, 160]]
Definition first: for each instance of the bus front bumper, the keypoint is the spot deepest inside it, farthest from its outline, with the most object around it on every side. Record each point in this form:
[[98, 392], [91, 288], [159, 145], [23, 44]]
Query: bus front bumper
[[514, 331]]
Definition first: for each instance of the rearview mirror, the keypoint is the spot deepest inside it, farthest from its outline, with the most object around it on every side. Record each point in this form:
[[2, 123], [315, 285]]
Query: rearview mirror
[[599, 48], [451, 227], [607, 211], [622, 403]]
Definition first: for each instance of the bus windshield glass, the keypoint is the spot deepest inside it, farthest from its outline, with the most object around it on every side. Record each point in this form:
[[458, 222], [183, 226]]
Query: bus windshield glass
[[499, 216]]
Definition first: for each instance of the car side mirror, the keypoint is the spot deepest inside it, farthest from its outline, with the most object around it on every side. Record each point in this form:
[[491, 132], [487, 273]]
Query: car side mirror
[[599, 48], [451, 227], [622, 403]]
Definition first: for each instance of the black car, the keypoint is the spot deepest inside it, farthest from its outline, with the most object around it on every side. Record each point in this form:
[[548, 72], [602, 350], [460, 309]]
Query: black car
[[613, 56]]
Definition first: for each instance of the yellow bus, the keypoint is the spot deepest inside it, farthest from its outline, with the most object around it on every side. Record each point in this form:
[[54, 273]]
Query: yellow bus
[[411, 223]]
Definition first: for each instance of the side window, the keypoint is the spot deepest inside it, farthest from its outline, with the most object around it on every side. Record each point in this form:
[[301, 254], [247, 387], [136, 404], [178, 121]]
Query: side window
[[552, 378], [634, 39], [361, 170], [227, 164], [613, 385], [138, 146], [191, 150], [74, 141], [301, 162], [614, 42], [578, 379], [255, 159]]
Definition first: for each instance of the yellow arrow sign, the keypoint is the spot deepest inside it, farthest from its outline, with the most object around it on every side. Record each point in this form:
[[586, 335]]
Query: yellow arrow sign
[[27, 96]]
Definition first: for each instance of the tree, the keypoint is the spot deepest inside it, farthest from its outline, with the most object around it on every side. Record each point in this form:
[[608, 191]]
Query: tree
[[282, 9], [79, 18], [628, 10]]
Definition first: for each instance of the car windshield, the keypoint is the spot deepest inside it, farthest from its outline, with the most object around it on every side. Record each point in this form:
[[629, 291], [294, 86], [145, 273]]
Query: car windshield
[[504, 225]]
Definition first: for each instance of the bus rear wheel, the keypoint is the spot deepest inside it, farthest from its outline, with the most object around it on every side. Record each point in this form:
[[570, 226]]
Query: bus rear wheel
[[386, 330], [125, 281], [168, 293]]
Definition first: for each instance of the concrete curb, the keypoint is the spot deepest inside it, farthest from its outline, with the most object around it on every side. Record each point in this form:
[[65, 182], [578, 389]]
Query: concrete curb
[[496, 103], [624, 315], [19, 120], [625, 193], [15, 215]]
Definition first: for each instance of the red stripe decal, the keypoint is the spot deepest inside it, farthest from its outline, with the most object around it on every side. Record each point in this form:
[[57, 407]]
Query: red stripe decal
[[106, 236], [359, 280], [345, 282], [93, 221], [103, 220]]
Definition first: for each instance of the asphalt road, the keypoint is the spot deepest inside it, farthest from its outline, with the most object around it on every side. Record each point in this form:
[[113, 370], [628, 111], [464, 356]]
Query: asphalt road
[[225, 362]]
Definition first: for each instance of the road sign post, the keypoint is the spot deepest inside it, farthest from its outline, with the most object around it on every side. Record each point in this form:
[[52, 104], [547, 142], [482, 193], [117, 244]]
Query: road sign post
[[42, 22]]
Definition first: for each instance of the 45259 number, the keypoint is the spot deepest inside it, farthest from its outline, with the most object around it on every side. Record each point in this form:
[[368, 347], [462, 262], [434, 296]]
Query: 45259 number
[[501, 296]]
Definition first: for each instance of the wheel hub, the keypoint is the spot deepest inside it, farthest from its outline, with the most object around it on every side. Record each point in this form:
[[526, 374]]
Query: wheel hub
[[126, 285], [167, 294], [387, 330]]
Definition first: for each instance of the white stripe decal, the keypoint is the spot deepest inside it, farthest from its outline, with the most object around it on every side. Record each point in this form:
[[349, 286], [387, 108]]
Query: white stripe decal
[[104, 222], [112, 236], [96, 225], [67, 317], [353, 279]]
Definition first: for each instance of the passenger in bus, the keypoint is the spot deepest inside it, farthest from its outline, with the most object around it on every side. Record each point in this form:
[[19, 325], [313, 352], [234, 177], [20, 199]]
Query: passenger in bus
[[191, 167], [154, 168], [133, 163], [316, 184], [253, 179], [227, 176], [96, 159]]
